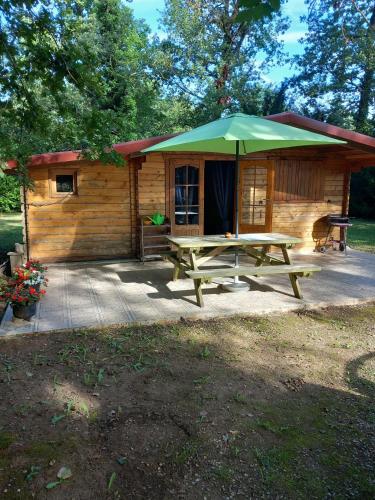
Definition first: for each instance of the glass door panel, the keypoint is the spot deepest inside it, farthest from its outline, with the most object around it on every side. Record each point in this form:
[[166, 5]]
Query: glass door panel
[[186, 197], [256, 186]]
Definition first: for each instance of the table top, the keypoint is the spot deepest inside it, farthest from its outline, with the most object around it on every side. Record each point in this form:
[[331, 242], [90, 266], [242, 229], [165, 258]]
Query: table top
[[250, 239]]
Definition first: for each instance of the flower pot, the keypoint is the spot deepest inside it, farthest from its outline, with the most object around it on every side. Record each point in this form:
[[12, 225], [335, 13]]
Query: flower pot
[[24, 312]]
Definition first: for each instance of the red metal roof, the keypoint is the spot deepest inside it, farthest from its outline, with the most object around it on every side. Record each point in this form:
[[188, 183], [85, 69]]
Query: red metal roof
[[126, 149], [354, 138]]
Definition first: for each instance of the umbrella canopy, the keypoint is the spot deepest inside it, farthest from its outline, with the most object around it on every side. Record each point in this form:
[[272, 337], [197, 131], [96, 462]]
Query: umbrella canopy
[[241, 134], [252, 133]]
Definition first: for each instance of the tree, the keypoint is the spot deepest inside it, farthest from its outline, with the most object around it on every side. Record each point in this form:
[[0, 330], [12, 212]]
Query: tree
[[337, 78], [214, 60], [74, 74], [337, 69], [362, 198], [9, 194]]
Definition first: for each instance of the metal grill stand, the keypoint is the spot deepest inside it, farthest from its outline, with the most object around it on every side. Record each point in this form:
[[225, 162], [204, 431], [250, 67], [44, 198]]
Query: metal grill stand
[[341, 221]]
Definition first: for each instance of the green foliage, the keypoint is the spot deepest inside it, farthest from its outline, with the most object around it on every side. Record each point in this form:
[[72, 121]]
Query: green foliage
[[9, 194], [10, 232], [337, 69], [336, 78], [211, 60], [254, 10], [362, 199], [76, 77]]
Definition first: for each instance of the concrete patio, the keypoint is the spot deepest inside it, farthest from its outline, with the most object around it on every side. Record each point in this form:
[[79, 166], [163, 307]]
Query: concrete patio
[[105, 293]]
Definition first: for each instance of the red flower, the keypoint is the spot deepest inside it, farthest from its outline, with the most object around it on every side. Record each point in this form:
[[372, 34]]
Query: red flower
[[32, 290]]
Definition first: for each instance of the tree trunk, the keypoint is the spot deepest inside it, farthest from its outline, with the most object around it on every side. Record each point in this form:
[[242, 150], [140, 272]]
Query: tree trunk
[[367, 83], [364, 100]]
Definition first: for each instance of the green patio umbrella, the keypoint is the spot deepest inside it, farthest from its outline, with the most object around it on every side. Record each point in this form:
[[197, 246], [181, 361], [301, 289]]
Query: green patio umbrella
[[239, 134]]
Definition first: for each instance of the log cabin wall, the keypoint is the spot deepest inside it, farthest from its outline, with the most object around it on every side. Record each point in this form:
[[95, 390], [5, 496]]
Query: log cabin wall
[[306, 219], [151, 180], [97, 222]]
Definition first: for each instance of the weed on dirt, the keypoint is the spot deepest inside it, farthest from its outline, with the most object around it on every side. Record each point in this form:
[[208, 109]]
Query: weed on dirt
[[276, 407]]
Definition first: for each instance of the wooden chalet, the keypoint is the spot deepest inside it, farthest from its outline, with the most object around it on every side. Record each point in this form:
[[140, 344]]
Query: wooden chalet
[[82, 210]]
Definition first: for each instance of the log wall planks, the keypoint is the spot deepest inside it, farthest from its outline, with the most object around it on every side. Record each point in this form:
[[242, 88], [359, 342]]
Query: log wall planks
[[151, 185], [99, 222], [307, 219]]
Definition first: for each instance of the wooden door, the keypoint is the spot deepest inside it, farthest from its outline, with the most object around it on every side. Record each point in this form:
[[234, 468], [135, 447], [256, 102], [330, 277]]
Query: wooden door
[[256, 196], [186, 181]]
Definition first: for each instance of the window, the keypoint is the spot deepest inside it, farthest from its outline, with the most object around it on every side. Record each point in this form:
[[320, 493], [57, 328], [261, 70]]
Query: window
[[187, 195], [299, 180], [63, 182]]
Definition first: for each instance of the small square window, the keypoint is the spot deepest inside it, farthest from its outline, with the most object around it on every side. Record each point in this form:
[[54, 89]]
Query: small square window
[[64, 183]]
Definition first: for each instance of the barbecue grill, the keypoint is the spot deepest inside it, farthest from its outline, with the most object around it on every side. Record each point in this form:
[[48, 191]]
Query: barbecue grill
[[341, 221]]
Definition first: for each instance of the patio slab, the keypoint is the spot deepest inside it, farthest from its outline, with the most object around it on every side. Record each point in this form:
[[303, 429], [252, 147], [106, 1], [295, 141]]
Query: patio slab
[[105, 293]]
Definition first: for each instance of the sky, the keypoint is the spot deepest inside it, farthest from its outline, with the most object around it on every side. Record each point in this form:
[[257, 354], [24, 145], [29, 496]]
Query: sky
[[149, 10]]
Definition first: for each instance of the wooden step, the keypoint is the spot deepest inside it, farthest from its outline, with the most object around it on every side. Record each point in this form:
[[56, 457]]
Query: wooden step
[[149, 247], [154, 236]]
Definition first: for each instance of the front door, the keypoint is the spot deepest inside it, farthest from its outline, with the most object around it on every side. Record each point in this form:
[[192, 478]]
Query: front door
[[186, 196], [256, 195]]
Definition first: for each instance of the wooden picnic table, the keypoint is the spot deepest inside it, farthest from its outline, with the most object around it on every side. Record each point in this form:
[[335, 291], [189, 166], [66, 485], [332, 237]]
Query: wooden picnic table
[[195, 251]]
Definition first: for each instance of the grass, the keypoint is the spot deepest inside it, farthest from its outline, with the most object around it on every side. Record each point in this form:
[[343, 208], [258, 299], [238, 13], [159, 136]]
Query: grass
[[361, 235], [277, 407], [10, 232]]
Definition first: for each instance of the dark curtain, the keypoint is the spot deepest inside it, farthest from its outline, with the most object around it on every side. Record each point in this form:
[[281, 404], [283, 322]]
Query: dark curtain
[[180, 195], [219, 197]]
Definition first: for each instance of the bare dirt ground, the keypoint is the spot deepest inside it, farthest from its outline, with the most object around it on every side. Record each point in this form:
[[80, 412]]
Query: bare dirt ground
[[276, 407]]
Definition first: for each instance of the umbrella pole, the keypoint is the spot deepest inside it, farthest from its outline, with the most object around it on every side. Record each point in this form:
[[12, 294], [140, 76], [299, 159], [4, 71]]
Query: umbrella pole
[[237, 285], [237, 182]]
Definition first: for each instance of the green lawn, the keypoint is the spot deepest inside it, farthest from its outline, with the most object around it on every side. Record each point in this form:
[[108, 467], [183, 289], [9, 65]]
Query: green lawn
[[362, 235], [10, 232]]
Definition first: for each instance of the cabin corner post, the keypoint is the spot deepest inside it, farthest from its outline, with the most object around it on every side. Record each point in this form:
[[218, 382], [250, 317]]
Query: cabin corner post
[[25, 221], [345, 200], [346, 192]]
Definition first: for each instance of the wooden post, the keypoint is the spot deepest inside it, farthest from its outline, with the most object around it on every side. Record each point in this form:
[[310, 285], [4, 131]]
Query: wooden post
[[293, 278], [197, 282]]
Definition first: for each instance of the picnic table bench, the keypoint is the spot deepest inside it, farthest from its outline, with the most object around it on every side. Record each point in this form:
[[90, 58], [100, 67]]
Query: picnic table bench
[[193, 252]]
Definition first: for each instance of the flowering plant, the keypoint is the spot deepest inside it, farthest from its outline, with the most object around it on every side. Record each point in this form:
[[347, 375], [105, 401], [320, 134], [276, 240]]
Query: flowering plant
[[30, 277], [35, 265], [23, 287], [20, 293]]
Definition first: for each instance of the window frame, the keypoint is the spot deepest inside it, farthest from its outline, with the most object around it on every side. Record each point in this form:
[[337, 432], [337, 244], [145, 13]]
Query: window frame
[[175, 161], [53, 173], [186, 185]]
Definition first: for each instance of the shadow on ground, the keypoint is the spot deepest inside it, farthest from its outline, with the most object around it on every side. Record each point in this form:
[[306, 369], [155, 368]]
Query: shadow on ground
[[247, 408]]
